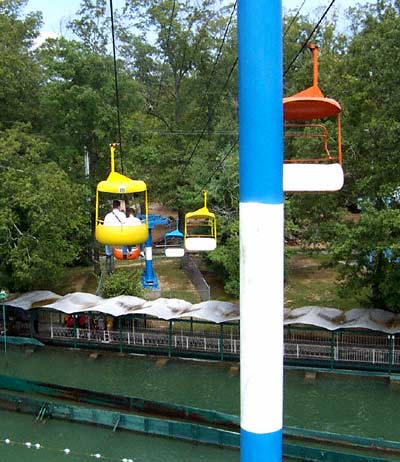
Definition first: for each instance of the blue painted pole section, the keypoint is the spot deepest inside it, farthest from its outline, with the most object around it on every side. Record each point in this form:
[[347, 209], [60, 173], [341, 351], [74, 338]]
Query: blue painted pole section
[[260, 101], [261, 229], [149, 277], [149, 273]]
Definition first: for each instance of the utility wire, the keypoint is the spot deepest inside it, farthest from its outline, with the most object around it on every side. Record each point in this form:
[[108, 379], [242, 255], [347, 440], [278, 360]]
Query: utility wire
[[168, 39], [209, 117], [231, 71], [211, 113], [116, 84], [221, 163], [220, 48], [309, 38], [184, 133], [293, 19]]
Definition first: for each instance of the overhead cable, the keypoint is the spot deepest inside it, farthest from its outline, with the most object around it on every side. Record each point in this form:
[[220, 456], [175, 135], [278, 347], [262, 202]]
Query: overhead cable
[[116, 84], [308, 38], [185, 132], [220, 47], [221, 163], [211, 114], [167, 45], [293, 19]]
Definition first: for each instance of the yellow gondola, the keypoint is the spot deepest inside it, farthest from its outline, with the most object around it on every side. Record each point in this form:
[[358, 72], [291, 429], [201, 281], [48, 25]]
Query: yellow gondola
[[120, 187], [200, 229]]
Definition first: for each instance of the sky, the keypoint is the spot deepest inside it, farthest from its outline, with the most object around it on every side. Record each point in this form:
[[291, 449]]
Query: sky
[[57, 13]]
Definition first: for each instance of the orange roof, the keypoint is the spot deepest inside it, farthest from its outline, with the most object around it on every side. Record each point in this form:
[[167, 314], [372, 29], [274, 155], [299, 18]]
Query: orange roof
[[310, 103], [309, 107]]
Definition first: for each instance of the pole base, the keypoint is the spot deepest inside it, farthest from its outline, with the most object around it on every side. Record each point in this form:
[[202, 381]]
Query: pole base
[[150, 282]]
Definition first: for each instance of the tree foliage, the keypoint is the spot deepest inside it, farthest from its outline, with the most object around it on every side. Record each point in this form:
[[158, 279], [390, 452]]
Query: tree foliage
[[122, 282], [20, 75], [369, 251], [43, 222], [370, 91], [175, 49]]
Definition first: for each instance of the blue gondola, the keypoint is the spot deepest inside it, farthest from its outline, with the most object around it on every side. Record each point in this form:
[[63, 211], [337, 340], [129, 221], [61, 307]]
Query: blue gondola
[[174, 243]]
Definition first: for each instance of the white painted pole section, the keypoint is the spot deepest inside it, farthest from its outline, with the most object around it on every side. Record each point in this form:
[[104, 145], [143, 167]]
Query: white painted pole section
[[261, 326]]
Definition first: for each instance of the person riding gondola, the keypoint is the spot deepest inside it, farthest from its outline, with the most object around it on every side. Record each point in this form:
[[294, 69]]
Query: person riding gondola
[[114, 218]]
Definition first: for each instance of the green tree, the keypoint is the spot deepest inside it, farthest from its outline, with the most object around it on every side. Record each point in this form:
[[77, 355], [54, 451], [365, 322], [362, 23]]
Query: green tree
[[20, 75], [122, 282], [78, 106], [173, 57], [92, 25], [225, 258], [371, 91], [42, 215], [369, 252]]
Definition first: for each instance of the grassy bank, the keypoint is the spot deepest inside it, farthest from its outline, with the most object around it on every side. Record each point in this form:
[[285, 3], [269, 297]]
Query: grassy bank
[[310, 280]]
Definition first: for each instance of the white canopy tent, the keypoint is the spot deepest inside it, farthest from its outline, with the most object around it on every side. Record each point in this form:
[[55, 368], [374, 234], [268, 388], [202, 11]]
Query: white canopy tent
[[213, 310]]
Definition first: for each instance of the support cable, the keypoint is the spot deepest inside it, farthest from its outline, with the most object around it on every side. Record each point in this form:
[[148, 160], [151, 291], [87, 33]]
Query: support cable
[[308, 38], [116, 85], [220, 48], [293, 19], [209, 117], [211, 113], [168, 39], [220, 164]]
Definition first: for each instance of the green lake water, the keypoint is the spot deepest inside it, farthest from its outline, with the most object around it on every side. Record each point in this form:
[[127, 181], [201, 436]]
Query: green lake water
[[351, 405], [84, 440], [359, 406]]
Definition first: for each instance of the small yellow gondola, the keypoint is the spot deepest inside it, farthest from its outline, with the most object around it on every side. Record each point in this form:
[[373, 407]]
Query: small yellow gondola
[[121, 187], [200, 229]]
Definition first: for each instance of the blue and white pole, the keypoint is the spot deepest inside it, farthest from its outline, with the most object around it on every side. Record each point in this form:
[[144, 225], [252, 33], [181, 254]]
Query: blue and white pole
[[261, 229], [149, 277]]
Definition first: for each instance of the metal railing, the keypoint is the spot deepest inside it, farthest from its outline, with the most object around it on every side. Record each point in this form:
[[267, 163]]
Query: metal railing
[[305, 346]]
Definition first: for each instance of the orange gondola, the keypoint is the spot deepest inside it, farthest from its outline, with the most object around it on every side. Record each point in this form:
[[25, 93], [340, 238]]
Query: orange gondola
[[322, 171]]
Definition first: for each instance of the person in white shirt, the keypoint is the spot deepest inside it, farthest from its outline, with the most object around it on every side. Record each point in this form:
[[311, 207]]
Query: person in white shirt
[[114, 218], [131, 220]]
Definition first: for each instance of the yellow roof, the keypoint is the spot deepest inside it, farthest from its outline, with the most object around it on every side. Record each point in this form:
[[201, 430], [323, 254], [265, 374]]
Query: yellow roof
[[200, 213], [121, 184]]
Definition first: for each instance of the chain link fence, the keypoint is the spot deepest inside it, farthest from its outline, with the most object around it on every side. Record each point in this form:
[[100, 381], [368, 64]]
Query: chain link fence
[[194, 274]]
